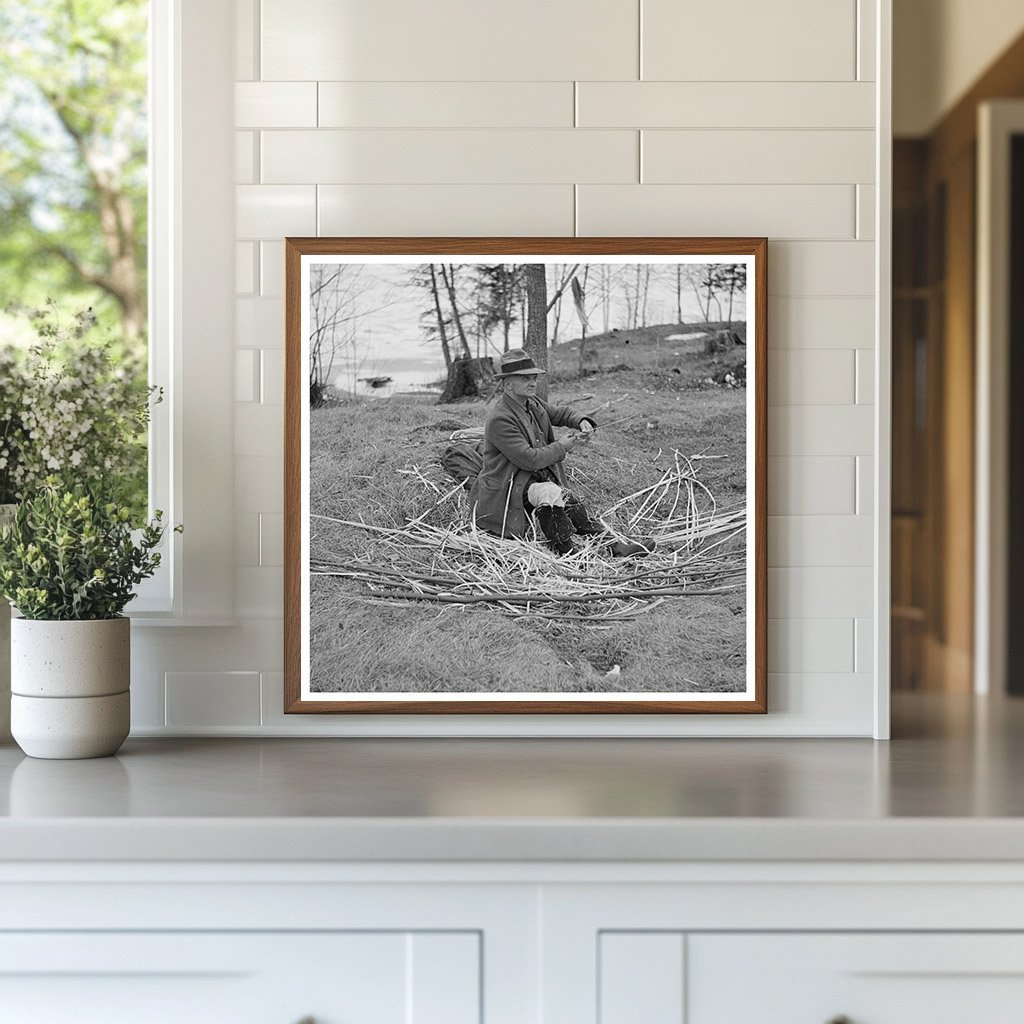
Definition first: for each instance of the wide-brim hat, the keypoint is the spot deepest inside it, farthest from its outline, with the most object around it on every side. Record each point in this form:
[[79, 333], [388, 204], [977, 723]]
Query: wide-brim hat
[[516, 363]]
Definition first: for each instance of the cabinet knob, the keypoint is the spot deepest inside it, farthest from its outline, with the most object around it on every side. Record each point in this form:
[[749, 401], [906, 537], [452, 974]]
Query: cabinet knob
[[306, 1020], [841, 1019]]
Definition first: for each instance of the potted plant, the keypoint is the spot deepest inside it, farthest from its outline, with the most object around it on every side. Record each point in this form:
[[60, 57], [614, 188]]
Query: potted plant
[[69, 563], [12, 433], [72, 405]]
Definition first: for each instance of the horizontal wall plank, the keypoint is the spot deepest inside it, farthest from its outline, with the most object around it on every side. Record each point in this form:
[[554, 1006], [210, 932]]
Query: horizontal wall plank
[[847, 323], [726, 105], [449, 40], [821, 430], [758, 157], [271, 539], [449, 157], [867, 25], [259, 429], [811, 486], [820, 540], [446, 210], [247, 539], [245, 646], [865, 485], [247, 375], [776, 211], [864, 656], [245, 158], [271, 376], [259, 323], [204, 699], [260, 592], [811, 645], [866, 210], [270, 211], [808, 704], [821, 268], [865, 376], [446, 105], [811, 377], [259, 484], [735, 40], [271, 268], [245, 268], [832, 703], [829, 592], [246, 50], [275, 104]]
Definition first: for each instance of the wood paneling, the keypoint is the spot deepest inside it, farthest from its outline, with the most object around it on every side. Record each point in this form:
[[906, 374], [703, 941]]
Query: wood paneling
[[935, 202]]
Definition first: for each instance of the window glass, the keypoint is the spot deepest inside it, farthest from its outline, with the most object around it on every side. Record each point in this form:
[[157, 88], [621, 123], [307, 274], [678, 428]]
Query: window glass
[[73, 219]]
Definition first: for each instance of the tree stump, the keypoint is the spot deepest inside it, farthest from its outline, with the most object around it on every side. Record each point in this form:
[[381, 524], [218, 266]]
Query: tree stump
[[468, 378]]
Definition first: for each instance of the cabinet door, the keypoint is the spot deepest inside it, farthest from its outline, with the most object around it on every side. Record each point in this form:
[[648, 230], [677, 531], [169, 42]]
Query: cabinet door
[[241, 978], [862, 978]]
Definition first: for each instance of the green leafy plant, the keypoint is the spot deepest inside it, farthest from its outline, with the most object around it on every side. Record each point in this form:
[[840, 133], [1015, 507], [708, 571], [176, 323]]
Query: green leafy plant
[[75, 407], [72, 554]]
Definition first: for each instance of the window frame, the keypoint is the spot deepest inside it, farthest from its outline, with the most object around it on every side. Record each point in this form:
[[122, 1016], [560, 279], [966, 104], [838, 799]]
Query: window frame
[[191, 330]]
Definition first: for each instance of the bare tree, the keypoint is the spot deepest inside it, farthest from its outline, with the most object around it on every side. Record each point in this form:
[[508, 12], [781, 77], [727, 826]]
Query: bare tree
[[338, 306], [604, 287], [434, 323], [703, 282], [643, 288], [500, 288], [537, 320], [330, 311], [448, 276]]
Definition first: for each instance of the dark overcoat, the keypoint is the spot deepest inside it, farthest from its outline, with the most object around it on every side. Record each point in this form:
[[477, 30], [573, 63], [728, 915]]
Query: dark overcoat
[[518, 442]]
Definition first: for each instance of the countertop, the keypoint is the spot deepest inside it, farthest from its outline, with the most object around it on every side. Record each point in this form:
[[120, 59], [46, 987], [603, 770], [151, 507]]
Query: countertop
[[948, 787]]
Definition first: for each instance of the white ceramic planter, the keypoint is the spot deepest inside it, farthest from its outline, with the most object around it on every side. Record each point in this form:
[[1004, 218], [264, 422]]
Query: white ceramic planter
[[6, 515], [69, 683]]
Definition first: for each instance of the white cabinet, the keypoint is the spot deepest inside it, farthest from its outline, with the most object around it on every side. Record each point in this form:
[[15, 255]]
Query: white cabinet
[[672, 978], [241, 978], [515, 943], [868, 979]]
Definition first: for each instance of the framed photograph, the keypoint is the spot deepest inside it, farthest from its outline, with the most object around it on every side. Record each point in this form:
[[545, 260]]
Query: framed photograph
[[525, 475]]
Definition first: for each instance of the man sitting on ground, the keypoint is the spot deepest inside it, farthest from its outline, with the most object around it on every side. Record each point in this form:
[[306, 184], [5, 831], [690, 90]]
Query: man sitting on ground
[[522, 474]]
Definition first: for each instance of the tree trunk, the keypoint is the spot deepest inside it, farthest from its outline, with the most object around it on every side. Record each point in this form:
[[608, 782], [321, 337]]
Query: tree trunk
[[537, 321], [679, 294], [449, 282], [440, 321], [468, 378], [583, 354]]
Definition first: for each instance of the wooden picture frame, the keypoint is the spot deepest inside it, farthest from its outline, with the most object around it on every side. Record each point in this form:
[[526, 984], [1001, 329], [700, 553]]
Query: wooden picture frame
[[398, 601]]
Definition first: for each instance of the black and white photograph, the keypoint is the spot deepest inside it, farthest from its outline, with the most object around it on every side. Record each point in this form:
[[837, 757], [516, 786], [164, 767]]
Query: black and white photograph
[[525, 481]]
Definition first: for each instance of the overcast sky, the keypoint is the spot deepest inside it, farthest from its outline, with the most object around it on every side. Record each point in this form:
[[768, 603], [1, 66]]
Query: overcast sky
[[388, 329]]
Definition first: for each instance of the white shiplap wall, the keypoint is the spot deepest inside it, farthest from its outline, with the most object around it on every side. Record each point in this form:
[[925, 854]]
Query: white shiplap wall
[[561, 117]]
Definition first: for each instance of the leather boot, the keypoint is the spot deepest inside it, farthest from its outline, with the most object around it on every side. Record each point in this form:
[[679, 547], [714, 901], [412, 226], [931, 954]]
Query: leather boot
[[626, 548], [556, 526], [580, 518]]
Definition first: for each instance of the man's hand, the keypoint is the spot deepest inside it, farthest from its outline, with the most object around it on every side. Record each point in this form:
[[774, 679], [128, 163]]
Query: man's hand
[[586, 427]]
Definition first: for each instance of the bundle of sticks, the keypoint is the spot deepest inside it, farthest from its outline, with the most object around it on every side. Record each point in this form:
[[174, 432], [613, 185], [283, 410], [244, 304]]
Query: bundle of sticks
[[446, 560]]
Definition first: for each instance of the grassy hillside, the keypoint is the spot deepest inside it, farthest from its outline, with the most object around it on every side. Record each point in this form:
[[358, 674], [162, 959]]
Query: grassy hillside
[[374, 460]]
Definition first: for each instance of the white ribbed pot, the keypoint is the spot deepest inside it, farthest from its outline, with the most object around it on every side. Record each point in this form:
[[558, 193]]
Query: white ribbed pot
[[69, 686], [6, 516]]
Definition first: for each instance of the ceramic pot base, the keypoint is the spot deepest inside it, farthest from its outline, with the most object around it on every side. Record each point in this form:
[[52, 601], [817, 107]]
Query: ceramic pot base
[[71, 727]]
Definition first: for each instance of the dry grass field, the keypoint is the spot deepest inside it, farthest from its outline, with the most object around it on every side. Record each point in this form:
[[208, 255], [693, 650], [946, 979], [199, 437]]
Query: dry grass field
[[377, 462]]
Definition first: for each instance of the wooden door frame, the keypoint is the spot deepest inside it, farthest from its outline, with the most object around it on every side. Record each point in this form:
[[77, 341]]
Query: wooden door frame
[[998, 121]]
